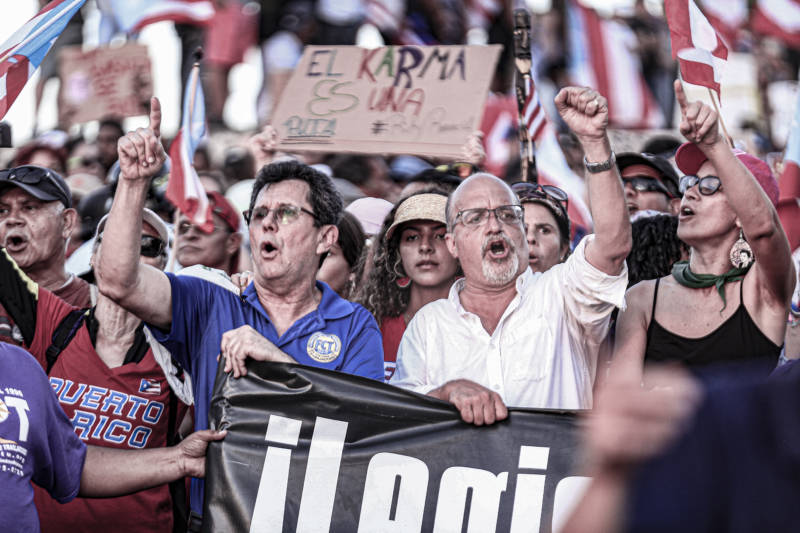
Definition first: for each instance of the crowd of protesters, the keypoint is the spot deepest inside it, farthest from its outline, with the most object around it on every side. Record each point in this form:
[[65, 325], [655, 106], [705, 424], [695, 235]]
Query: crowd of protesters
[[434, 276]]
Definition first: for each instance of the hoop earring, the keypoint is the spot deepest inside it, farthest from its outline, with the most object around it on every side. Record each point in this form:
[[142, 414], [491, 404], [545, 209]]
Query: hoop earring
[[741, 255]]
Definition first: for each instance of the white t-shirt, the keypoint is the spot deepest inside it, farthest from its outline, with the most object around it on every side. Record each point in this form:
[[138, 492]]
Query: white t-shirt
[[543, 352]]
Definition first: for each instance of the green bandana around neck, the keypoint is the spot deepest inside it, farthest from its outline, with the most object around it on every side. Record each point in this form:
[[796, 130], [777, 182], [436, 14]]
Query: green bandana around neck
[[684, 275]]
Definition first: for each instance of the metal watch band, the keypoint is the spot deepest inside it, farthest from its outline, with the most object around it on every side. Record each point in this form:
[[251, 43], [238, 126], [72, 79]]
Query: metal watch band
[[594, 168]]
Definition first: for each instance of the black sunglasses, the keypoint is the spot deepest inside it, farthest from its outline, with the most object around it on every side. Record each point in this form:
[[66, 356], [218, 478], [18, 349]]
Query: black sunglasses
[[707, 185], [150, 246], [527, 191], [647, 184], [31, 175]]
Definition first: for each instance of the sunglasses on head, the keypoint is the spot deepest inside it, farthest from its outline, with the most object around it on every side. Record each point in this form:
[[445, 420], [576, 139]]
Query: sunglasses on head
[[462, 169], [707, 185], [150, 246], [30, 175], [527, 191], [647, 184]]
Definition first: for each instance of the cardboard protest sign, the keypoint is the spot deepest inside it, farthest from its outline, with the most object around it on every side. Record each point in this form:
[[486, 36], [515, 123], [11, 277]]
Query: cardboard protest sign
[[423, 100], [104, 82]]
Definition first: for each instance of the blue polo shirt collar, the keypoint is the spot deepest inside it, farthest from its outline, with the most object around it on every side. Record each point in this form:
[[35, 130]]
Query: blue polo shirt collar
[[331, 306]]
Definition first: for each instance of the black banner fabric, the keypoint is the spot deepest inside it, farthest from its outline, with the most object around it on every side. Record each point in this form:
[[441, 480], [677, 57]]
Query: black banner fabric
[[315, 450]]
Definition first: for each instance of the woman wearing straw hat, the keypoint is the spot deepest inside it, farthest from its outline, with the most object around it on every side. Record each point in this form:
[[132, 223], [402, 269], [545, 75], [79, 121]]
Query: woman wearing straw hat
[[411, 267]]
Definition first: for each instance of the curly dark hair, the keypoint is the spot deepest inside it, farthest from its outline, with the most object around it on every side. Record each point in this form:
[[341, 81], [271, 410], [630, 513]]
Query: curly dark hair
[[325, 200], [380, 293], [656, 247]]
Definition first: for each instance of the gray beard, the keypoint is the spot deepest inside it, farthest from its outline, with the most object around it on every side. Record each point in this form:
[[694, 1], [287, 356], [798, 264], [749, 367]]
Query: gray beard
[[501, 272]]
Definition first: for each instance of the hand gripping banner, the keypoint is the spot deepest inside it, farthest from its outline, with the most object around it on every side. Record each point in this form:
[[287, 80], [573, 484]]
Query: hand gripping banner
[[315, 450]]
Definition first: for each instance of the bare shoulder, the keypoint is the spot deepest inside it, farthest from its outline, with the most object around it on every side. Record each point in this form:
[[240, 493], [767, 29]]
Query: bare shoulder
[[640, 296]]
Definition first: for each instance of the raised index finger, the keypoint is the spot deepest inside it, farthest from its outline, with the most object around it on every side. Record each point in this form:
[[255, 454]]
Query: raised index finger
[[680, 95], [155, 116]]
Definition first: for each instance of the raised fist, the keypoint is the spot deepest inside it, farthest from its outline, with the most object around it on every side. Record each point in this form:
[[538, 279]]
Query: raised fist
[[584, 110]]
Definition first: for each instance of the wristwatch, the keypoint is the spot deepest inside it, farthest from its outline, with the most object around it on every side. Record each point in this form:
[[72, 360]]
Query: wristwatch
[[594, 168]]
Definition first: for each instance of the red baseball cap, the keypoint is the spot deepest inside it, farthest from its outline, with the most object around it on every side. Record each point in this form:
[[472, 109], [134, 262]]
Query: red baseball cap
[[689, 158], [220, 206]]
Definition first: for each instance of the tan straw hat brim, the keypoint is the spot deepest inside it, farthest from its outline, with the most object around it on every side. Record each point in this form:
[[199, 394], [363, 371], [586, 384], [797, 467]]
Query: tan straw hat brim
[[425, 206]]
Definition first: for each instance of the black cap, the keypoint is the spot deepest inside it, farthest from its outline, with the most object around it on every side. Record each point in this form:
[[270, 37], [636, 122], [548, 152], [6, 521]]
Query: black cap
[[40, 182], [661, 165]]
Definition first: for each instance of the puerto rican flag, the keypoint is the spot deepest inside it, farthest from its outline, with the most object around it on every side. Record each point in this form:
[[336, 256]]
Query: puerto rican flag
[[789, 184], [779, 18], [23, 52], [601, 56], [184, 189], [700, 51], [532, 111], [149, 386], [131, 16], [727, 17]]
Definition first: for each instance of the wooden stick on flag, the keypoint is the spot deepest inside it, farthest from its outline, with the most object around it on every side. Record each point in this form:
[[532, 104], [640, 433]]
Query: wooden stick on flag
[[524, 90], [719, 114]]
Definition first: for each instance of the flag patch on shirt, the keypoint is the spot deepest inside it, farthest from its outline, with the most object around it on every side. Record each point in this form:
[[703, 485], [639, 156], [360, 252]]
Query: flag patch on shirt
[[150, 386]]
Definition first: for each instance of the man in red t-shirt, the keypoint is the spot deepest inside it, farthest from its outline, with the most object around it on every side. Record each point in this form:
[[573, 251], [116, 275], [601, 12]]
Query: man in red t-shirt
[[107, 382], [36, 220]]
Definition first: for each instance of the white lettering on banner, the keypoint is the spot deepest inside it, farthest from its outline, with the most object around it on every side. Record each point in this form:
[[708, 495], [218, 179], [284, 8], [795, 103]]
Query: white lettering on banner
[[271, 497], [394, 494], [456, 483], [396, 486]]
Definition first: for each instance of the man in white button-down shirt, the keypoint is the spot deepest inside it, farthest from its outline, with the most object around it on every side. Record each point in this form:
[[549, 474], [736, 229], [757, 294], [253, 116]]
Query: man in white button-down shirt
[[506, 335]]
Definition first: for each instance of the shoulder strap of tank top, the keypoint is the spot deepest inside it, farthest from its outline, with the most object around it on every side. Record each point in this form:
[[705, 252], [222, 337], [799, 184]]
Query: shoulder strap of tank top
[[655, 297]]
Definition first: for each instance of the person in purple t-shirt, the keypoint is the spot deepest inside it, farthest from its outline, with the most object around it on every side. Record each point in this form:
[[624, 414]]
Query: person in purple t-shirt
[[37, 444]]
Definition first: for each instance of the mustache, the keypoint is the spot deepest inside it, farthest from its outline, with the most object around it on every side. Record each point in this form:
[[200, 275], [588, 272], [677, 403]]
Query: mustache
[[502, 235]]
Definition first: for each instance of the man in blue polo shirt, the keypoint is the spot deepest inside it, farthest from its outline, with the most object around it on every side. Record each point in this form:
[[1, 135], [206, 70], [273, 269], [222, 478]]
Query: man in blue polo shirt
[[284, 315]]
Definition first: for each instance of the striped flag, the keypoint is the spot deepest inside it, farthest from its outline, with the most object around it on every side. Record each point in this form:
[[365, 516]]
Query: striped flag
[[789, 184], [184, 189], [779, 18], [727, 17], [700, 51], [532, 112], [23, 52], [131, 16], [601, 57]]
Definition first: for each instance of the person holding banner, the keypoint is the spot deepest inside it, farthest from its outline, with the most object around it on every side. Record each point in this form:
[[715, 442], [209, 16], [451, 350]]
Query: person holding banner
[[506, 335], [284, 315], [720, 306]]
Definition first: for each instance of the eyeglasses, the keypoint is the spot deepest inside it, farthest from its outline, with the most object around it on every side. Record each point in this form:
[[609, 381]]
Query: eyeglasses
[[707, 185], [534, 191], [150, 246], [285, 214], [507, 214], [647, 184], [184, 227], [462, 169], [31, 175]]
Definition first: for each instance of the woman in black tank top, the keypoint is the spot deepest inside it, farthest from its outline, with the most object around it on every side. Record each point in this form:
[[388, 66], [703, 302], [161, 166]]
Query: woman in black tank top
[[728, 219]]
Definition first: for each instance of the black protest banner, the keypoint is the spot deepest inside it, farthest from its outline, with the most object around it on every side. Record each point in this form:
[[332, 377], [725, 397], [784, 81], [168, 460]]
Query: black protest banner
[[314, 450]]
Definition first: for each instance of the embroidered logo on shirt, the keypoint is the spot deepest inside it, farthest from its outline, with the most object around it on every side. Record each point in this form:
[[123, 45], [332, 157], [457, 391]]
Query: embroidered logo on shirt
[[323, 347], [150, 386]]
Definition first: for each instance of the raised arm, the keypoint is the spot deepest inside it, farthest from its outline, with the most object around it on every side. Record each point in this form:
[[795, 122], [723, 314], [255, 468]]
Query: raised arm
[[141, 289], [756, 214], [586, 113]]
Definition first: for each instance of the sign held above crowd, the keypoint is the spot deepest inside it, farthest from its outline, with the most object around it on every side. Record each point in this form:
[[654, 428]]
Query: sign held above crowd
[[423, 100]]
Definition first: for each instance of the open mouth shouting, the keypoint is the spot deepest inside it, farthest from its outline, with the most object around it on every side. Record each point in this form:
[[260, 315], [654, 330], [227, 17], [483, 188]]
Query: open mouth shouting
[[685, 212], [15, 242], [497, 247], [269, 249]]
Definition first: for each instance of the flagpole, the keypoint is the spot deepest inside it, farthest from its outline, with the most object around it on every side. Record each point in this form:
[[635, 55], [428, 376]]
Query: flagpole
[[522, 62], [40, 30], [719, 114], [194, 77]]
